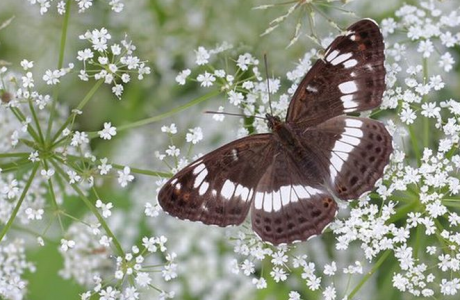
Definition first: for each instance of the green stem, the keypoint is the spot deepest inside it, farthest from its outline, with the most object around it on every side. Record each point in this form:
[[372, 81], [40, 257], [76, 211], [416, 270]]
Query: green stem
[[37, 123], [403, 211], [18, 205], [20, 116], [169, 113], [79, 107], [426, 121], [369, 274], [15, 165], [65, 26], [53, 196], [414, 143], [92, 208], [121, 167], [18, 154]]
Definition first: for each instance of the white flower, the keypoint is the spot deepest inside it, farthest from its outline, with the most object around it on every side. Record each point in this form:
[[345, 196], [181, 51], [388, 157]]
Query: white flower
[[143, 279], [247, 267], [430, 110], [235, 98], [108, 132], [278, 274], [219, 117], [84, 55], [180, 79], [206, 79], [169, 272], [73, 177], [260, 283], [47, 174], [109, 294], [11, 190], [26, 65], [79, 138], [151, 211], [194, 136], [294, 296], [446, 61], [28, 80], [426, 47], [329, 293], [67, 244], [125, 176], [105, 208], [202, 56], [105, 241], [173, 151], [172, 129], [104, 168], [408, 116], [52, 77]]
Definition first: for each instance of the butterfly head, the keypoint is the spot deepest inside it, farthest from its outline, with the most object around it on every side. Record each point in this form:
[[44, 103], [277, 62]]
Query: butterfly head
[[273, 121]]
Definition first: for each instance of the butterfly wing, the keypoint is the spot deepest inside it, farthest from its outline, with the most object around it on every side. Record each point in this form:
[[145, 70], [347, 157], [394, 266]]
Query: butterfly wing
[[354, 152], [350, 77], [218, 188], [290, 204]]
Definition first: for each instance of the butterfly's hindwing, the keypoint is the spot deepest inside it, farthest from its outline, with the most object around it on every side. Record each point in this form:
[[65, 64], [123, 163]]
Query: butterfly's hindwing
[[218, 188], [289, 205], [350, 77], [356, 150]]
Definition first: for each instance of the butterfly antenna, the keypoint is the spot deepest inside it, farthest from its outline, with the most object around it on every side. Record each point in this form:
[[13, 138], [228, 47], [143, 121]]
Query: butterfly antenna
[[231, 114], [268, 83]]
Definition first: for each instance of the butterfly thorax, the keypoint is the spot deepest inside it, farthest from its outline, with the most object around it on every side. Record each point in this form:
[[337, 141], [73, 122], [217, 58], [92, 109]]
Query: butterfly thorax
[[285, 134]]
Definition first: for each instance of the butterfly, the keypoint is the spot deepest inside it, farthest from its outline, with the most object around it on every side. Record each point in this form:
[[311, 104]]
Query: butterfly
[[288, 178]]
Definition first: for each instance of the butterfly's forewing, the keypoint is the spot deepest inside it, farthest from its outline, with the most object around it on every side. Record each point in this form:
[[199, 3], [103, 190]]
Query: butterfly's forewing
[[354, 153], [290, 204], [218, 188], [350, 77]]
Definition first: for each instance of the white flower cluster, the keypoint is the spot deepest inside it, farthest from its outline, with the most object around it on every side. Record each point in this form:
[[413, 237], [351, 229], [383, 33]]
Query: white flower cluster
[[116, 5], [12, 268], [110, 63]]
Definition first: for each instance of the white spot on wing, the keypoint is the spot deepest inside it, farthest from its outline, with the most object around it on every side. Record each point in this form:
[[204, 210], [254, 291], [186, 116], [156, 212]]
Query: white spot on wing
[[348, 87], [276, 200], [350, 63], [353, 132], [178, 186], [235, 154], [341, 58], [238, 190], [342, 155], [353, 123], [203, 188], [340, 146], [311, 89], [332, 55], [268, 199], [173, 181], [336, 166], [227, 189], [245, 194], [301, 192], [350, 140], [347, 102], [259, 200], [199, 179], [199, 168], [286, 194]]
